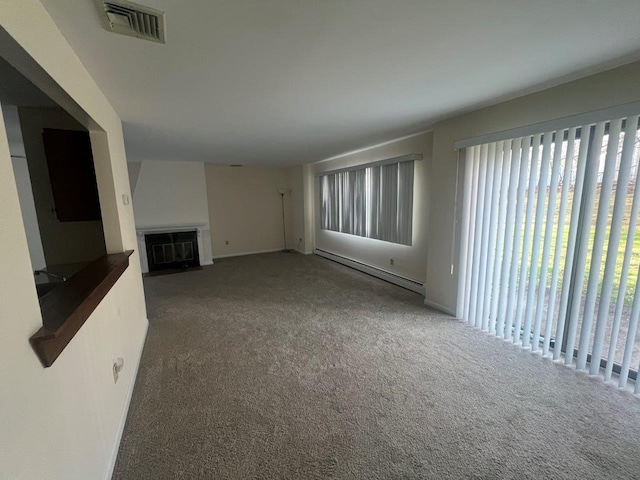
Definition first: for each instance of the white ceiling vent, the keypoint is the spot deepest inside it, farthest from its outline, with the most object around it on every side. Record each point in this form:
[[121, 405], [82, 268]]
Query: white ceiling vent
[[129, 18]]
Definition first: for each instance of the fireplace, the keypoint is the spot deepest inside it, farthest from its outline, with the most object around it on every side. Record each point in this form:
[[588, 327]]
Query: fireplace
[[202, 244], [171, 250]]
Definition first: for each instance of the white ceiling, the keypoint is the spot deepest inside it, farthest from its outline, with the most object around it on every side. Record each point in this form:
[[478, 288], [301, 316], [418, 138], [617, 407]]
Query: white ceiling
[[295, 81]]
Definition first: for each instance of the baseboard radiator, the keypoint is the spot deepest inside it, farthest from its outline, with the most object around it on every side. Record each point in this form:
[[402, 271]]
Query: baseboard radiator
[[373, 271]]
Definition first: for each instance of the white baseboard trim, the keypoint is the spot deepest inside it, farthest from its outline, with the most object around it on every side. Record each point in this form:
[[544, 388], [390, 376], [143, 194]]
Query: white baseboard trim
[[242, 254], [303, 252], [125, 410], [204, 264], [373, 271], [439, 307]]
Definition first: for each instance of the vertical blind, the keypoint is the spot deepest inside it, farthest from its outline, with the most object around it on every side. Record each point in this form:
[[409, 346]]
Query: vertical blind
[[550, 250], [374, 202]]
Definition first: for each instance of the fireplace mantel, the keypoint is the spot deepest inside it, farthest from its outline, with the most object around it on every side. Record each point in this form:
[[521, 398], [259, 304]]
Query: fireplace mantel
[[183, 227]]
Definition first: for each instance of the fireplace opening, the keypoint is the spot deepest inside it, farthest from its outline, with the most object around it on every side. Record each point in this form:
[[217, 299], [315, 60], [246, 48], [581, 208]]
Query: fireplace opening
[[172, 250]]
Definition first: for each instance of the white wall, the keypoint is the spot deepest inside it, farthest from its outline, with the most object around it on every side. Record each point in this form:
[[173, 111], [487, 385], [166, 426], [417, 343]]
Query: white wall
[[171, 194], [63, 242], [611, 88], [245, 209], [409, 261], [23, 183], [134, 172], [64, 422]]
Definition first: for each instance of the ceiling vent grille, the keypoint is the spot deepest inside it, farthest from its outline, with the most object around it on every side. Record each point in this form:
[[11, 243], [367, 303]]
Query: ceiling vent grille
[[132, 19]]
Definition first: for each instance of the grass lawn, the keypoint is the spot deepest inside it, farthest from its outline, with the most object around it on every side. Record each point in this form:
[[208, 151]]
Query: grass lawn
[[635, 255]]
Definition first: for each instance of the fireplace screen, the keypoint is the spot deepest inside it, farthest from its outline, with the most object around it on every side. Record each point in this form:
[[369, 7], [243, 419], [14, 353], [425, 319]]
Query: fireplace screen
[[172, 250]]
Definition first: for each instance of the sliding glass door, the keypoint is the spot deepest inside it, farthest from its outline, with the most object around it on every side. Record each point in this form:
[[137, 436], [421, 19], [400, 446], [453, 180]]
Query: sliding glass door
[[550, 245]]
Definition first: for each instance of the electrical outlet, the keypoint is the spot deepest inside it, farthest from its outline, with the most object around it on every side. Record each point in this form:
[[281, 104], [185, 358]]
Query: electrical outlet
[[392, 261], [118, 365], [226, 242]]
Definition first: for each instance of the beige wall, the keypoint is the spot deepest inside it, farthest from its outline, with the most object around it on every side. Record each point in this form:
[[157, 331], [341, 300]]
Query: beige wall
[[240, 204], [23, 183], [29, 215], [409, 261], [169, 194], [63, 242], [64, 421], [245, 209], [611, 88], [299, 237]]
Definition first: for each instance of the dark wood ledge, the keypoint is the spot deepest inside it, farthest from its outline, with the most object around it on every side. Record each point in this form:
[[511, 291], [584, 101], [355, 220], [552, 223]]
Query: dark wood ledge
[[67, 307]]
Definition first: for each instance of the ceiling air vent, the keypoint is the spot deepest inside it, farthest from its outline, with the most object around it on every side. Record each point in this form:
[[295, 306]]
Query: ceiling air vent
[[132, 19]]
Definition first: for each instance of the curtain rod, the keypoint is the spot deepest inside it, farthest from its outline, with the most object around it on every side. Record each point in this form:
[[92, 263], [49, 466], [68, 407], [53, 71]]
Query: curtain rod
[[403, 158], [552, 125]]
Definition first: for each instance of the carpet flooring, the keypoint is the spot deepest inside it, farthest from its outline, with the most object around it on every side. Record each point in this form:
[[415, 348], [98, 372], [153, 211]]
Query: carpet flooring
[[284, 366]]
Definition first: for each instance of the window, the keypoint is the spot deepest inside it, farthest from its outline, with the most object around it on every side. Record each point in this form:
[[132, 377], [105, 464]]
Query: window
[[550, 251], [374, 201]]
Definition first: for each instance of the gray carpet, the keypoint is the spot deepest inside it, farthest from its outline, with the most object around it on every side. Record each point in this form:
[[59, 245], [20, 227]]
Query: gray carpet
[[283, 366]]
